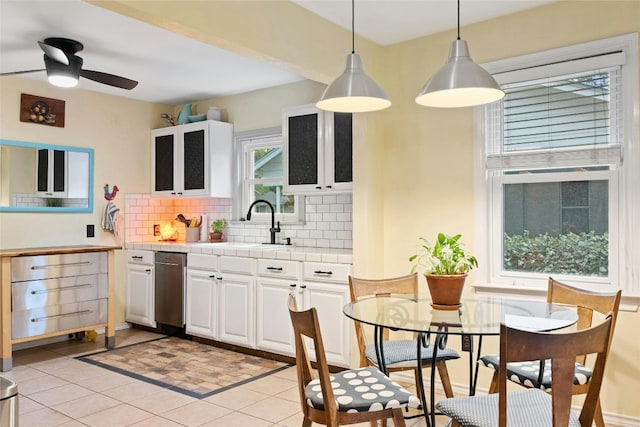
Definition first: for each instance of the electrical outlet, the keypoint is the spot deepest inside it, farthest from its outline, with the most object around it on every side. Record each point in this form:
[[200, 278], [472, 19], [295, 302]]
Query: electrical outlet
[[467, 343], [91, 231], [156, 229]]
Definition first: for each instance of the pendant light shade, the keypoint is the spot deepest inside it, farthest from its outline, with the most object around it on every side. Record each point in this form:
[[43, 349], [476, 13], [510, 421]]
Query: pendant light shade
[[460, 82], [353, 91]]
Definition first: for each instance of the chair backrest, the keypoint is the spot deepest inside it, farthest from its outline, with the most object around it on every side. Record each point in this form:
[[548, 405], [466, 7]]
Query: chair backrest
[[587, 302], [305, 324], [562, 348], [359, 288]]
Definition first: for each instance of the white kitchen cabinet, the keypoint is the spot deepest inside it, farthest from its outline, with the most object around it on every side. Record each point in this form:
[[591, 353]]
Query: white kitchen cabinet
[[201, 313], [140, 288], [192, 160], [51, 173], [317, 150], [276, 280], [325, 286], [237, 300]]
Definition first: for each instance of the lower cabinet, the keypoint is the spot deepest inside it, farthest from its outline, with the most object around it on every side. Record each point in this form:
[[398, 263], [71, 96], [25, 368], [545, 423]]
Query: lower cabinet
[[140, 288], [274, 331], [201, 314], [237, 310]]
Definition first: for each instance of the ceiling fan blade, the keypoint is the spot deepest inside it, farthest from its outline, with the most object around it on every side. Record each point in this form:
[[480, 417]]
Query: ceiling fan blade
[[54, 53], [109, 79], [12, 73]]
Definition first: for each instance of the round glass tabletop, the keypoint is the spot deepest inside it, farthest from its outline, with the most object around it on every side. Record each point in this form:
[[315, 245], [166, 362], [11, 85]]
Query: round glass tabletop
[[480, 315]]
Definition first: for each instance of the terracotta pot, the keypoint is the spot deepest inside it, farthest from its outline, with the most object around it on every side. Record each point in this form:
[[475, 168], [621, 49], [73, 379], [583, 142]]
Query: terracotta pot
[[215, 237], [446, 291]]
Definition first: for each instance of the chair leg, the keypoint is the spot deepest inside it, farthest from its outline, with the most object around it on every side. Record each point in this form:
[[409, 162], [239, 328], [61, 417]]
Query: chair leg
[[597, 416], [398, 418], [306, 422], [493, 388], [444, 378]]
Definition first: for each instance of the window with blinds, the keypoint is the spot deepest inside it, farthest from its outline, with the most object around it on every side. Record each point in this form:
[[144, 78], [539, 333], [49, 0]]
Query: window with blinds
[[562, 112], [558, 192]]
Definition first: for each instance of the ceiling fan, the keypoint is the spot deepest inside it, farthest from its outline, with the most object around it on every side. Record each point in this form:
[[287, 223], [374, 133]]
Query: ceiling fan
[[64, 67]]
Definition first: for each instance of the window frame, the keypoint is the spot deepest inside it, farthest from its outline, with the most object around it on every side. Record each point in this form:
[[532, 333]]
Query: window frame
[[251, 140], [624, 270]]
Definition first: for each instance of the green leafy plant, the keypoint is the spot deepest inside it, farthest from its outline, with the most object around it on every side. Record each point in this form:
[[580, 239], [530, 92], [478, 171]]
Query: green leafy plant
[[583, 254], [218, 225], [445, 257]]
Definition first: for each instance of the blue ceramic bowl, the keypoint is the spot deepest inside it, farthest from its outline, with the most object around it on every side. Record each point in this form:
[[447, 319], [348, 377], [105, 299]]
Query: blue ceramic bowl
[[197, 118]]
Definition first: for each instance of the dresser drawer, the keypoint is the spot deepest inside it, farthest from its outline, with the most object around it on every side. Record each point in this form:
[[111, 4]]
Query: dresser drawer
[[61, 265], [38, 321], [65, 290], [279, 268], [325, 272]]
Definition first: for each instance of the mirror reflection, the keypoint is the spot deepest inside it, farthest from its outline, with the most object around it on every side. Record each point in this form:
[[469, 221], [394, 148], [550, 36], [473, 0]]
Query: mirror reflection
[[49, 178]]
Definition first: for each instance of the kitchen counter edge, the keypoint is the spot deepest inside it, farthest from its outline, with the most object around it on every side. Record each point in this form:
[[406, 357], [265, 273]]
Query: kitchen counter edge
[[293, 253]]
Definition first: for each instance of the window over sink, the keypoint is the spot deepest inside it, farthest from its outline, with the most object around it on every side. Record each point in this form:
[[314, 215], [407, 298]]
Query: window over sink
[[260, 161]]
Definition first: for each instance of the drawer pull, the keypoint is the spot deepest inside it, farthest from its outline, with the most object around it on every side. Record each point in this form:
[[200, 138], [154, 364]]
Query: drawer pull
[[137, 257], [326, 273], [274, 268], [70, 264], [46, 291], [171, 264], [45, 318]]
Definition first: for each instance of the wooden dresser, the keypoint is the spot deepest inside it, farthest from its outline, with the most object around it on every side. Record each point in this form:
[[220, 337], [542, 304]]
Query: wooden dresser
[[52, 291]]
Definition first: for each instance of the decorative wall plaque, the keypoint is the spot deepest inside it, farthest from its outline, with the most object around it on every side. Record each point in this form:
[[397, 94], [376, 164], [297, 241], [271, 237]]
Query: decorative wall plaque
[[41, 110]]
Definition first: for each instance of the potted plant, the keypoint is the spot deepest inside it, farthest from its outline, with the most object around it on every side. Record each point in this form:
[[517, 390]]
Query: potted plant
[[216, 229], [445, 265]]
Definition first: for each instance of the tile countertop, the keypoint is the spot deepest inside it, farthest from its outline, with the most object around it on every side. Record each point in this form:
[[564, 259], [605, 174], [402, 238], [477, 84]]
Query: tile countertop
[[252, 250]]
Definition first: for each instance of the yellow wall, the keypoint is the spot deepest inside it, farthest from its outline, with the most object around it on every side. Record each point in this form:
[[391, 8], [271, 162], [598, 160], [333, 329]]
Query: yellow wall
[[412, 165]]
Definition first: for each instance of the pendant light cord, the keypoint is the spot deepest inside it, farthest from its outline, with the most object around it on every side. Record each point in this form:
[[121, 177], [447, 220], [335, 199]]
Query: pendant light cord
[[353, 26], [458, 19]]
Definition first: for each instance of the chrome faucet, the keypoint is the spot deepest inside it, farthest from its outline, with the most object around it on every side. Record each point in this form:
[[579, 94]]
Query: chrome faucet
[[273, 230]]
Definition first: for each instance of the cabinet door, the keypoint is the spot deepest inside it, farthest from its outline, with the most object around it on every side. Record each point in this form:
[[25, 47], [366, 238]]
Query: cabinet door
[[201, 314], [303, 150], [140, 295], [164, 154], [329, 299], [51, 180], [338, 174], [274, 330], [194, 152], [237, 310]]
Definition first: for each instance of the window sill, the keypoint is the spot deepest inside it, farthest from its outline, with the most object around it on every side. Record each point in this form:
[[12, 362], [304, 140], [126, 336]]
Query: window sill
[[628, 303]]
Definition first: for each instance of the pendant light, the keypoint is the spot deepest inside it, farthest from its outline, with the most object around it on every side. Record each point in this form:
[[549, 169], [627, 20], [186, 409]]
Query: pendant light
[[353, 91], [460, 82]]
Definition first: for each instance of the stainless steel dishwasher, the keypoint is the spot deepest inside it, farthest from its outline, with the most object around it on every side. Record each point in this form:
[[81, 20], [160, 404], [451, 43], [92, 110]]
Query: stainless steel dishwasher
[[169, 284]]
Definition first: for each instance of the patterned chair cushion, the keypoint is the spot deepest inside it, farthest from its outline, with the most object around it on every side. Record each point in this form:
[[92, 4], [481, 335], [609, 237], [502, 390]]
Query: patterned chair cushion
[[526, 373], [361, 390], [525, 408], [398, 351]]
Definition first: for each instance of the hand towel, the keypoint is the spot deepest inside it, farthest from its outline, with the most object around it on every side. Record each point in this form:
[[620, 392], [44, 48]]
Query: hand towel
[[109, 218]]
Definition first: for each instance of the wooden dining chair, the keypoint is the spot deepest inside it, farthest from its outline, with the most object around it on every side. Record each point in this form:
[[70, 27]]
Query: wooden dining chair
[[399, 354], [347, 397], [533, 407], [536, 373]]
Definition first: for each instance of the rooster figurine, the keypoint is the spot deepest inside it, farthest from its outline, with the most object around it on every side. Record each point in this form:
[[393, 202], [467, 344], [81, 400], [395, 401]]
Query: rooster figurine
[[110, 195]]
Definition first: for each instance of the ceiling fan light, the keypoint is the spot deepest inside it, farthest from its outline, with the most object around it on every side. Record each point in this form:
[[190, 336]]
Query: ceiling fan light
[[460, 82], [353, 91], [62, 75]]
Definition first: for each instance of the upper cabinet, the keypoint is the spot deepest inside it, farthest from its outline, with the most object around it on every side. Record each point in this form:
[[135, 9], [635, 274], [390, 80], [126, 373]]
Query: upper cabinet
[[51, 180], [317, 151], [192, 160]]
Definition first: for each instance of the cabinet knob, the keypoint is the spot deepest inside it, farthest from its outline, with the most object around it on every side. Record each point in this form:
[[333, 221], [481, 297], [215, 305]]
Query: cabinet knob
[[328, 186], [303, 286], [212, 276], [148, 270], [318, 188], [293, 285]]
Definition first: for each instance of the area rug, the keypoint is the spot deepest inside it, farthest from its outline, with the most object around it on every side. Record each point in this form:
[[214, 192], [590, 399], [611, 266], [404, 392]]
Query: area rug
[[195, 369]]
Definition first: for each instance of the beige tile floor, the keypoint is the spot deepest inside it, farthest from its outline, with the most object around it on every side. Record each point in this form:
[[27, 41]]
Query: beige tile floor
[[57, 390]]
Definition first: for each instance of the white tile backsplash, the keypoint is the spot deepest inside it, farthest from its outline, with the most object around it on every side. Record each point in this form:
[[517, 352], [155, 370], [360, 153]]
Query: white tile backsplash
[[328, 220]]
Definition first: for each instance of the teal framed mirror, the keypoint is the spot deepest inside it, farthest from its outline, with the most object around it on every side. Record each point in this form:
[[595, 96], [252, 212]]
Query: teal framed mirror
[[38, 177]]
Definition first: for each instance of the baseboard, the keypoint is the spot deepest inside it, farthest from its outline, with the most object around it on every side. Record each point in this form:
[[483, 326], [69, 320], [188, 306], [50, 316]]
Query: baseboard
[[611, 419], [59, 338]]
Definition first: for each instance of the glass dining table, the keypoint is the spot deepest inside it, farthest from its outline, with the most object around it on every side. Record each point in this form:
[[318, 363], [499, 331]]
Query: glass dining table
[[475, 318]]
